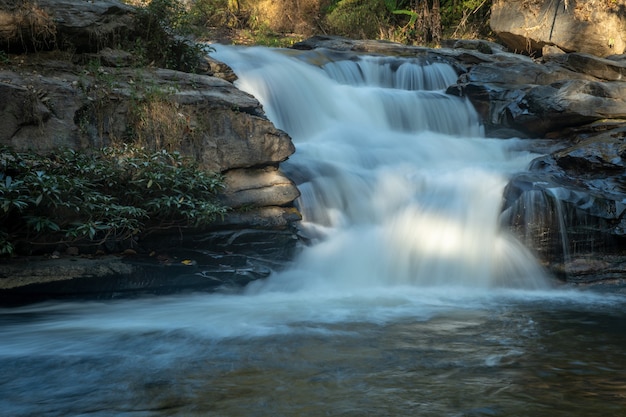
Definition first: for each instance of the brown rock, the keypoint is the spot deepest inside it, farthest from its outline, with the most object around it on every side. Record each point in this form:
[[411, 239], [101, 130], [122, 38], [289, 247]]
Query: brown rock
[[258, 187], [594, 26]]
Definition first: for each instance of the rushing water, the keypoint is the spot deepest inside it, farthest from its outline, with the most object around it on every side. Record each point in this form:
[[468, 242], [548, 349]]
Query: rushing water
[[411, 301]]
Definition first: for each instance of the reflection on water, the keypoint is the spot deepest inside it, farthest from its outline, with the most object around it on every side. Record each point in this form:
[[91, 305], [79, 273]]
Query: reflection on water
[[507, 354]]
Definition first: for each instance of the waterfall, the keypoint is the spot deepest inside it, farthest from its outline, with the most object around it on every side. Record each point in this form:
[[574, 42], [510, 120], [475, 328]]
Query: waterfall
[[399, 185]]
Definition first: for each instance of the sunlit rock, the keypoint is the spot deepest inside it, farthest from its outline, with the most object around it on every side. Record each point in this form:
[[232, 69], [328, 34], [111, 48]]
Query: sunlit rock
[[595, 27]]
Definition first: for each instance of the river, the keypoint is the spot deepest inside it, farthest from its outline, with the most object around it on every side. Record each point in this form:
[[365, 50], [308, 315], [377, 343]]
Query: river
[[410, 300]]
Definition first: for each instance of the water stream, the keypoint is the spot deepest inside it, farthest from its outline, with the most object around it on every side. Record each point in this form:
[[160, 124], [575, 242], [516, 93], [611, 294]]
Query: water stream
[[410, 301]]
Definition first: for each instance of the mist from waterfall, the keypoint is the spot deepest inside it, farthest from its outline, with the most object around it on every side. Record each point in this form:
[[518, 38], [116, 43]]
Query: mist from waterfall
[[399, 185]]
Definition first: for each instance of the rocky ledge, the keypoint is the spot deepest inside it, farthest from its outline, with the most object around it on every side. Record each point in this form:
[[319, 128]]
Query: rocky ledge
[[235, 258]]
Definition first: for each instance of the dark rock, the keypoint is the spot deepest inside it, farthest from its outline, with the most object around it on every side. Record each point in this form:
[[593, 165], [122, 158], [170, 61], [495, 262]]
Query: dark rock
[[235, 258], [541, 109], [572, 203], [80, 25], [115, 58], [604, 69]]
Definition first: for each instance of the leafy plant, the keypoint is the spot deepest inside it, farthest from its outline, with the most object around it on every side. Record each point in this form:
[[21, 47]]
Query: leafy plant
[[359, 18], [162, 41], [115, 195]]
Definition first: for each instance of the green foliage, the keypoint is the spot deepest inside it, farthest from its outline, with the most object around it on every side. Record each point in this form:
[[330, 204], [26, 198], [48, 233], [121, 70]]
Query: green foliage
[[359, 18], [162, 41], [410, 21], [263, 36], [114, 195]]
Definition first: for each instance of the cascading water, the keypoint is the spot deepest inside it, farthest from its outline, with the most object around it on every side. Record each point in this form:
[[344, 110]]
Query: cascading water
[[398, 184], [410, 300]]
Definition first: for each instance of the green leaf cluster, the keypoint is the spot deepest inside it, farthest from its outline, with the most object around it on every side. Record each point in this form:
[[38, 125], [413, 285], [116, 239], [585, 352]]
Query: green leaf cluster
[[164, 27], [113, 195]]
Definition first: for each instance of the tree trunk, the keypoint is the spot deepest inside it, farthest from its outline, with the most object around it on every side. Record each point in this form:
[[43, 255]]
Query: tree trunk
[[435, 22]]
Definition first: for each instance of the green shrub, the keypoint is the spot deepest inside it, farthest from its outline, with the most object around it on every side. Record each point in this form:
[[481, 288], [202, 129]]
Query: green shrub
[[367, 19], [113, 196]]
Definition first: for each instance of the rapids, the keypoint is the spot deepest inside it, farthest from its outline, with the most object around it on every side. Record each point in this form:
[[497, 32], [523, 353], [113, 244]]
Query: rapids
[[409, 301]]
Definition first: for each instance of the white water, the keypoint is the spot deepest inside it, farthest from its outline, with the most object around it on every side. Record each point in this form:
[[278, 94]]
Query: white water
[[399, 186]]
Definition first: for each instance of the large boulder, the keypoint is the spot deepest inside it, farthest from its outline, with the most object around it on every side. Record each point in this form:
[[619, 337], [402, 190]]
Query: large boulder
[[592, 26]]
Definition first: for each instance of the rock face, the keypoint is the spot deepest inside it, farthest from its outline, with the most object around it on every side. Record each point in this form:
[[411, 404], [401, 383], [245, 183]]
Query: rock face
[[571, 206], [540, 98], [593, 26], [46, 24], [56, 104]]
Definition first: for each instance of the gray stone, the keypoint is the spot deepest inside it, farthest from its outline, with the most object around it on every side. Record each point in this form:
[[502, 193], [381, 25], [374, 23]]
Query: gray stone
[[600, 68], [86, 26]]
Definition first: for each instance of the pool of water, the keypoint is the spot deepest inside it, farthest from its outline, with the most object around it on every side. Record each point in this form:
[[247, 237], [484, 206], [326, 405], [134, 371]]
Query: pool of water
[[401, 352]]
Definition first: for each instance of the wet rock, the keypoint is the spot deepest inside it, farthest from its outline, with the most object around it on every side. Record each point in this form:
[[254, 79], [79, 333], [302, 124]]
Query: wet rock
[[271, 217], [215, 68], [572, 203], [541, 109], [221, 260]]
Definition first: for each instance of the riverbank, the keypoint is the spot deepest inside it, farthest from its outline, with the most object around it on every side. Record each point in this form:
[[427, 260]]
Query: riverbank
[[201, 262]]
